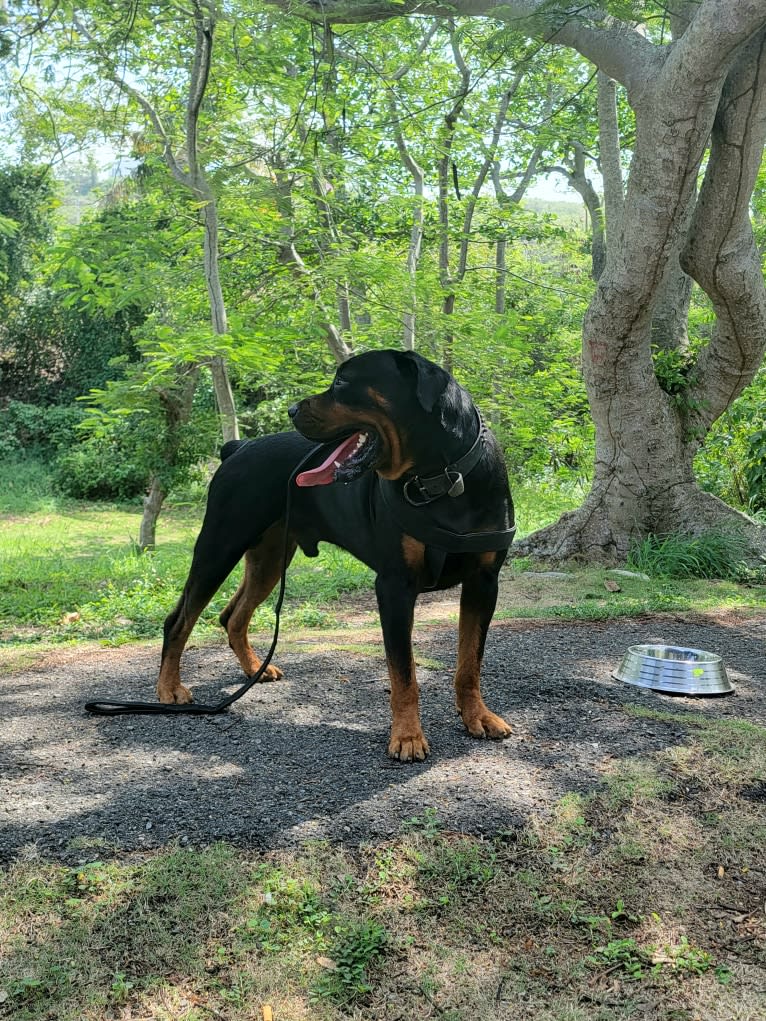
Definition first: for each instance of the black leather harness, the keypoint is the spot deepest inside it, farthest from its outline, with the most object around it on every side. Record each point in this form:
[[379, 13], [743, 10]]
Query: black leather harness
[[405, 503]]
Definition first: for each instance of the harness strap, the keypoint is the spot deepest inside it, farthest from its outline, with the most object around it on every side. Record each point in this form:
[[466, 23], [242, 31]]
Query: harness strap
[[421, 528]]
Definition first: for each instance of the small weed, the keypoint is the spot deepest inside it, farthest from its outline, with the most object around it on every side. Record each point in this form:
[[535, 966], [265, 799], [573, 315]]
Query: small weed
[[292, 912], [352, 949], [624, 955], [428, 824], [121, 987], [683, 957]]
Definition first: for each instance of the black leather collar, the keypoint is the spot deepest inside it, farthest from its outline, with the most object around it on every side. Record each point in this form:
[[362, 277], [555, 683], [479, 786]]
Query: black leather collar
[[421, 491]]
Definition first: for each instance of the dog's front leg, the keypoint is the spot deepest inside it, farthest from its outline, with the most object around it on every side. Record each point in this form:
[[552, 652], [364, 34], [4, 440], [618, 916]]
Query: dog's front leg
[[396, 602], [477, 604]]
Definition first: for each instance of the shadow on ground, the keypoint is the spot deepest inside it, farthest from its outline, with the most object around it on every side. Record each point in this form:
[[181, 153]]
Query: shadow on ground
[[305, 757]]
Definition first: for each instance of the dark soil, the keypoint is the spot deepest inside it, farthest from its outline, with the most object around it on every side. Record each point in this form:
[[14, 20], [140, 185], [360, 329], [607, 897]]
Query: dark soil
[[306, 757]]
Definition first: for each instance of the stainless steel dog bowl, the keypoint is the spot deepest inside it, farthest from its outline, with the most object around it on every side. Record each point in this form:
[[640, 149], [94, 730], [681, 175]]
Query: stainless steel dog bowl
[[674, 670]]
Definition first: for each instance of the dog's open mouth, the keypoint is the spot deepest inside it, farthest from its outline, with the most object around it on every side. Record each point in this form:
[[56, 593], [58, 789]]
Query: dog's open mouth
[[346, 462]]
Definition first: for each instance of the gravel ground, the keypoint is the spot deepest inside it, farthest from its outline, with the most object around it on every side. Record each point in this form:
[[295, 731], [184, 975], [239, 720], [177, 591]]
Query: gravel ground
[[305, 757]]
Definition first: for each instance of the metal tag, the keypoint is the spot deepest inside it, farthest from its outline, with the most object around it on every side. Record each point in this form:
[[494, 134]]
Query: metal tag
[[458, 487]]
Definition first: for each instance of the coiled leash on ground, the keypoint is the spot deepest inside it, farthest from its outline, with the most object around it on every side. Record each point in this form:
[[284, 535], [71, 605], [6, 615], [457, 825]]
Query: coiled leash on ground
[[108, 708]]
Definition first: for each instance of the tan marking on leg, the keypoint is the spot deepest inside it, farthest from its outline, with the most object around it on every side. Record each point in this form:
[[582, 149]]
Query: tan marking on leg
[[408, 742], [169, 687], [478, 719], [263, 568]]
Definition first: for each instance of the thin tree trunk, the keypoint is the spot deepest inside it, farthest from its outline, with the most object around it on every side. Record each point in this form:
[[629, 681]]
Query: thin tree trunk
[[446, 138], [147, 534], [504, 199], [416, 232], [176, 404], [609, 156], [219, 372], [192, 177], [578, 179], [290, 256], [409, 317]]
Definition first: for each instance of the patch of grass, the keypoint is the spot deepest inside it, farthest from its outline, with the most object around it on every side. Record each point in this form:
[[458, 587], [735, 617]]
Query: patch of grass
[[539, 505], [26, 487], [582, 595], [73, 572], [437, 923], [719, 553]]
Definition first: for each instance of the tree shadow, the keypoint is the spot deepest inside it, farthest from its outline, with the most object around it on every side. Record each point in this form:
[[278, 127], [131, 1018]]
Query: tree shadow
[[305, 757]]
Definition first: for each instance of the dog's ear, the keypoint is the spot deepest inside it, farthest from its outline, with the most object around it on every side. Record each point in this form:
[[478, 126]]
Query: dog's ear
[[430, 379]]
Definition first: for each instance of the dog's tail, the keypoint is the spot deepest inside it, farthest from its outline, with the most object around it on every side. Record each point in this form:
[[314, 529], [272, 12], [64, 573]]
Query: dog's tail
[[230, 448]]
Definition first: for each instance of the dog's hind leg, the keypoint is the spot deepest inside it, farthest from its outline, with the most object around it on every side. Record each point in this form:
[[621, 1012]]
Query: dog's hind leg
[[263, 567], [477, 604], [209, 570]]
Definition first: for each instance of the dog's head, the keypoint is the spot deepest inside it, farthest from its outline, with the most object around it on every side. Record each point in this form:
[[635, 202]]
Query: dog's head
[[378, 409]]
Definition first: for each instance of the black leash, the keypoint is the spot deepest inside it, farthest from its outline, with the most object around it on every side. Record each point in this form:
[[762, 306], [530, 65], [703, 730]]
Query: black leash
[[108, 708]]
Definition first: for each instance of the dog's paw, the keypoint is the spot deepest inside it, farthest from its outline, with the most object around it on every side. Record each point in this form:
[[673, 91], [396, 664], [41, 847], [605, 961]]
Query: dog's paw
[[180, 695], [252, 665], [483, 723], [272, 673], [408, 747]]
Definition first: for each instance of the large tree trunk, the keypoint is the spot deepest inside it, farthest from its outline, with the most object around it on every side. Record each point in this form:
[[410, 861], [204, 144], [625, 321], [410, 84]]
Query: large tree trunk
[[711, 82], [645, 439]]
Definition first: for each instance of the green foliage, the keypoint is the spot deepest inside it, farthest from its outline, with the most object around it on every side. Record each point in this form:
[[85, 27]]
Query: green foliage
[[26, 205], [99, 469], [672, 368], [714, 554], [36, 430], [52, 353], [755, 470]]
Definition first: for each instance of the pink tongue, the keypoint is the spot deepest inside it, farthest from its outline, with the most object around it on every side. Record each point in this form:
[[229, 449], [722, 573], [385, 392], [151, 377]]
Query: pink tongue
[[325, 473]]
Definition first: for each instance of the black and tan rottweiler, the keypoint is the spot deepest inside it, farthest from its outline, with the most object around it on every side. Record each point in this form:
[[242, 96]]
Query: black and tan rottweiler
[[409, 481]]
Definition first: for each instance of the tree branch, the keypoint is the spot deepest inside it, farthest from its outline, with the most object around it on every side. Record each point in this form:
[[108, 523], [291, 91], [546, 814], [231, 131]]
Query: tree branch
[[614, 46], [721, 254]]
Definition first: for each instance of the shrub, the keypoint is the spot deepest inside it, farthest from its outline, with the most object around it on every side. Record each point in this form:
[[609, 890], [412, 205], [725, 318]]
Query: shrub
[[98, 470]]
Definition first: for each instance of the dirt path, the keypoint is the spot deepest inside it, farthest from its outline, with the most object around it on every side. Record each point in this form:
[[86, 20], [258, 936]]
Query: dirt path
[[305, 757]]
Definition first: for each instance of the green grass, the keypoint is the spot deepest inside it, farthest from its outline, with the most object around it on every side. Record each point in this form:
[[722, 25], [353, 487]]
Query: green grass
[[72, 572], [645, 892], [541, 505], [719, 553], [582, 595]]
